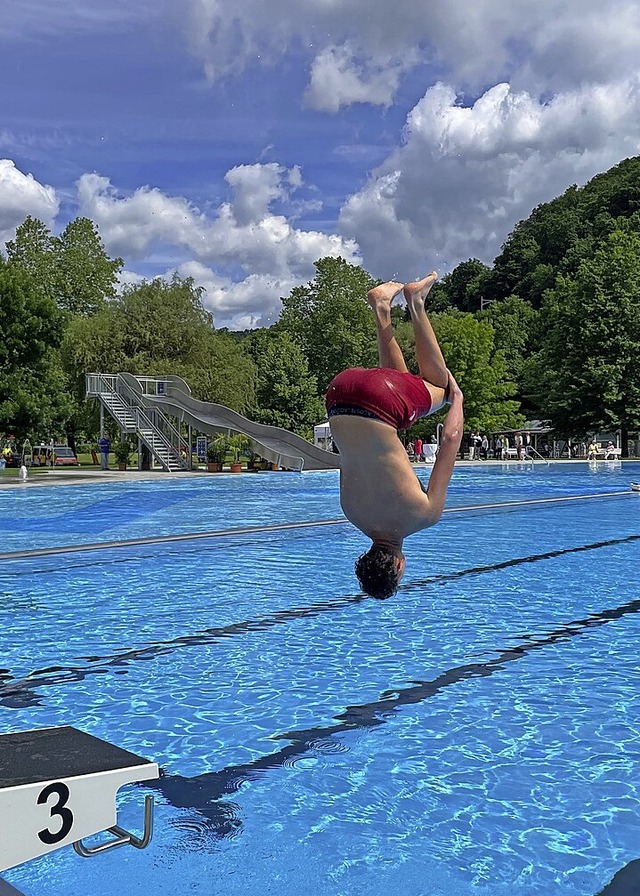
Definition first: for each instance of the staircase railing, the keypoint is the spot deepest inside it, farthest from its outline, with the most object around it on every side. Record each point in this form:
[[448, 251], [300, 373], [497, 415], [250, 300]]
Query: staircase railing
[[101, 384], [160, 421], [529, 450]]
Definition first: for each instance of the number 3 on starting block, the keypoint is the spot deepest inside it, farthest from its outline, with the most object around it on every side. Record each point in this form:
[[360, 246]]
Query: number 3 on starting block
[[60, 793]]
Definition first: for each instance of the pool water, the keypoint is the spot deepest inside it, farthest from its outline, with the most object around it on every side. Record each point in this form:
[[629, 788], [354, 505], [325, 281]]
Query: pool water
[[476, 734]]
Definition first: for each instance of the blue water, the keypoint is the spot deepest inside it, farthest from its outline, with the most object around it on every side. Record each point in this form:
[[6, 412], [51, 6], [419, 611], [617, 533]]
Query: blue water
[[48, 517], [476, 734]]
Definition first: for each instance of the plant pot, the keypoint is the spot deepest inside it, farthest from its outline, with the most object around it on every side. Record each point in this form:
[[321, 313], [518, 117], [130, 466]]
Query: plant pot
[[214, 467], [122, 466], [236, 468]]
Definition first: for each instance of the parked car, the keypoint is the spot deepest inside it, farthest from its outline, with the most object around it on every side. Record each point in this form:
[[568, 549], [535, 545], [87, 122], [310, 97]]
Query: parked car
[[62, 455]]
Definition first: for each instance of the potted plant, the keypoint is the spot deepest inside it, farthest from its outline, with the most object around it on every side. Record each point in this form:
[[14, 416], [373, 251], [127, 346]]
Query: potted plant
[[122, 453], [238, 443], [216, 453], [254, 461]]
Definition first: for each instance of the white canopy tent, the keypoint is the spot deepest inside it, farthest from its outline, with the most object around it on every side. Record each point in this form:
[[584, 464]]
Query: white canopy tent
[[322, 435]]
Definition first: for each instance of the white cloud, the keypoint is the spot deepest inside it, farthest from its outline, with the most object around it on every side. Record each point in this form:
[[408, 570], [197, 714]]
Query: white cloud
[[582, 43], [251, 302], [531, 97], [356, 54], [130, 278], [22, 195], [255, 188], [339, 79], [266, 253], [131, 225], [464, 176]]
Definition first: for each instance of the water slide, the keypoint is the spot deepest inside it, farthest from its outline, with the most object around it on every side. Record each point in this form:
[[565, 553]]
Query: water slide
[[279, 446]]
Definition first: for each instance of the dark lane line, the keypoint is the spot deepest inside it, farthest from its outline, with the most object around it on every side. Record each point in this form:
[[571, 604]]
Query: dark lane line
[[203, 793], [20, 693]]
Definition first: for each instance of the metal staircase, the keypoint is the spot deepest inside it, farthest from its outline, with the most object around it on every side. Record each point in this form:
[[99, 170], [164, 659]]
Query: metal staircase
[[123, 401]]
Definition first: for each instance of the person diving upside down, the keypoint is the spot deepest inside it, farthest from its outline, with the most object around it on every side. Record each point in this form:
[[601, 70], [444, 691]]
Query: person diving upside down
[[379, 492]]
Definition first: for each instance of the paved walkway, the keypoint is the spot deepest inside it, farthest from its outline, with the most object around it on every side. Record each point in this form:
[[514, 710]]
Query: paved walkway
[[82, 477]]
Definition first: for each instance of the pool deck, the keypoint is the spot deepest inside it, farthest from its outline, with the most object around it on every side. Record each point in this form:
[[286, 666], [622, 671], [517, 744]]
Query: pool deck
[[82, 477]]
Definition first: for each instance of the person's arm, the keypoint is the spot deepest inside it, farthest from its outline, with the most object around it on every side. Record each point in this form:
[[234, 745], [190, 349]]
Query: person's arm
[[448, 451]]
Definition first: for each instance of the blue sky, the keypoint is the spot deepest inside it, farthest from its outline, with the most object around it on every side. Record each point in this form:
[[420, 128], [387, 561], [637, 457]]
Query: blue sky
[[237, 142]]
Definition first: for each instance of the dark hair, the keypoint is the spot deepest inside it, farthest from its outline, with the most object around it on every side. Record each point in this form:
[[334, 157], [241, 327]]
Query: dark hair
[[377, 571]]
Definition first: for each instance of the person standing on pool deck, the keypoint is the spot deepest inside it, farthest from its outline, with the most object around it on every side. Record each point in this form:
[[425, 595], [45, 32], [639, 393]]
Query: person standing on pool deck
[[104, 444], [379, 492]]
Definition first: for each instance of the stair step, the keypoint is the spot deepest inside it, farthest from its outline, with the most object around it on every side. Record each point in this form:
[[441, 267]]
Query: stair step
[[154, 438]]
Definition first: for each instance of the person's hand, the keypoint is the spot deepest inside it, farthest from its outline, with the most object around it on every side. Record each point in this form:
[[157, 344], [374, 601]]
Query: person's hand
[[453, 389]]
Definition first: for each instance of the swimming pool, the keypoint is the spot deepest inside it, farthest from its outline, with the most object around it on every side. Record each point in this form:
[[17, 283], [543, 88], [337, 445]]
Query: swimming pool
[[475, 734]]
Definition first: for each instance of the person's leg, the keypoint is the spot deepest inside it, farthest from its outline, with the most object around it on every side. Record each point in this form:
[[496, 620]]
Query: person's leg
[[389, 352], [431, 362]]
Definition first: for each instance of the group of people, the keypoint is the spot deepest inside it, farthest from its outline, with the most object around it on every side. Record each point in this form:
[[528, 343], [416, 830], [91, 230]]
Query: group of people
[[481, 447], [421, 451], [594, 449]]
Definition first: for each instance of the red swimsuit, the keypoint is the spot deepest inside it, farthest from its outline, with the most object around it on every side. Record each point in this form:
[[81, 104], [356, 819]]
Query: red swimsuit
[[396, 398]]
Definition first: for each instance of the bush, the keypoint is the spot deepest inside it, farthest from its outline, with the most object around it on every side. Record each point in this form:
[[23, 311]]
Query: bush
[[239, 443], [217, 449], [122, 452]]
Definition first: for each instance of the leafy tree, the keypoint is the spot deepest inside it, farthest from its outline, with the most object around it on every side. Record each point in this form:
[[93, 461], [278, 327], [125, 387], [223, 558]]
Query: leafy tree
[[586, 375], [33, 398], [512, 321], [463, 287], [468, 347], [73, 269], [560, 234], [157, 328], [520, 255], [85, 276], [286, 393], [32, 250], [330, 320]]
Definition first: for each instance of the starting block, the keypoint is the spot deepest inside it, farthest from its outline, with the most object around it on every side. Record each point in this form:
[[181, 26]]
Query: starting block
[[57, 786]]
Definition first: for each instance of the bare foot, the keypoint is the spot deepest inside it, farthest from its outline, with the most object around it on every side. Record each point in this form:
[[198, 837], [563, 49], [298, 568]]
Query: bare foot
[[381, 297], [415, 293]]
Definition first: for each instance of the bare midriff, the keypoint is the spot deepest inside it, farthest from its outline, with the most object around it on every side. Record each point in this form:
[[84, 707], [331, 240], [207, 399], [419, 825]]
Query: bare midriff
[[379, 491]]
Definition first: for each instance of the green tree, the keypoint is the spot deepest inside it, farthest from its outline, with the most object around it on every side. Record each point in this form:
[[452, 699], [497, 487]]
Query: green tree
[[463, 287], [85, 276], [468, 347], [513, 322], [330, 320], [32, 250], [157, 328], [73, 269], [560, 234], [469, 350], [286, 393], [586, 375], [33, 396]]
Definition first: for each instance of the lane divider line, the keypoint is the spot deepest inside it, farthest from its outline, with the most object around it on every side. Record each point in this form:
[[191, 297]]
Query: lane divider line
[[276, 527]]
